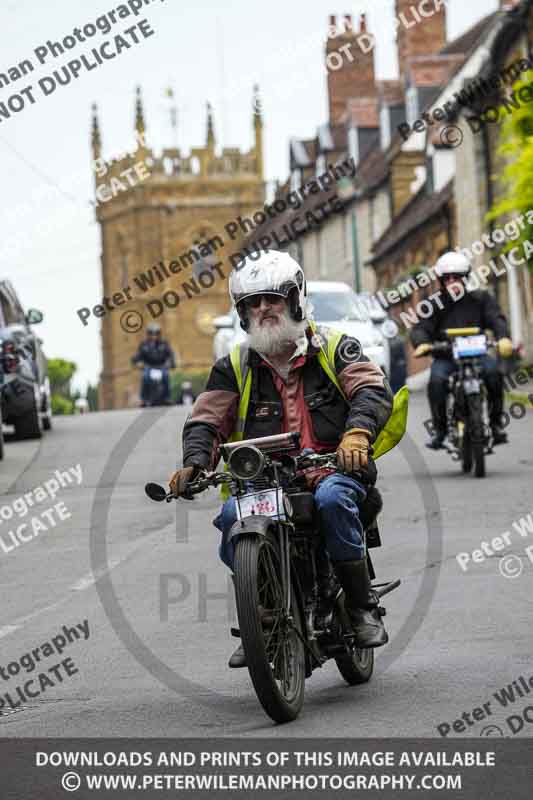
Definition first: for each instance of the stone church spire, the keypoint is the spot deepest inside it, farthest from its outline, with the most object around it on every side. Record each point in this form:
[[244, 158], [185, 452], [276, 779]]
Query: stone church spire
[[210, 129], [96, 141], [140, 127], [258, 132]]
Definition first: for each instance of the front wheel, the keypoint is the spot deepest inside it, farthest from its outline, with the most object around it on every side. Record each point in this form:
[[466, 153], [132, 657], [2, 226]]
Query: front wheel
[[272, 639], [466, 453]]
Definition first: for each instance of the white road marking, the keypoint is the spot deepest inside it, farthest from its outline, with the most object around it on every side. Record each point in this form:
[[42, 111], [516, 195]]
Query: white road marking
[[91, 578], [7, 629]]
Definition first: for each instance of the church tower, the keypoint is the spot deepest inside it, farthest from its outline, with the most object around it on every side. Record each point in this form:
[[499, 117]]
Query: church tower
[[162, 221]]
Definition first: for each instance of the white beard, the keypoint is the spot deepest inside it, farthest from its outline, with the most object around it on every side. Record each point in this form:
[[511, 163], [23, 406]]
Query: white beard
[[271, 341]]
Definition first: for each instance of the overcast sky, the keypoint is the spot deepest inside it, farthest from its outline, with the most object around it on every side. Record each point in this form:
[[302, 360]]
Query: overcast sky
[[50, 245]]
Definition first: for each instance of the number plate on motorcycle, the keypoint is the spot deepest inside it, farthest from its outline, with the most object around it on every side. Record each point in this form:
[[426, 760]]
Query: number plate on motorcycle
[[156, 374], [264, 503], [468, 346]]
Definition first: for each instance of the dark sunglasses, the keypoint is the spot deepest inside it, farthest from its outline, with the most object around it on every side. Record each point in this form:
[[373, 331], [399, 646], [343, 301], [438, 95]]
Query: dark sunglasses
[[271, 299]]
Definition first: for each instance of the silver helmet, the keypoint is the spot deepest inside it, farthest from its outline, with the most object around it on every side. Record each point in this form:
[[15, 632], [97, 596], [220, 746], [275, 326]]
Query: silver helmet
[[273, 272]]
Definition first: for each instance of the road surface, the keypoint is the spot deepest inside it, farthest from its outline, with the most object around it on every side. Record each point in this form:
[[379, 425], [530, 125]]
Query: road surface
[[154, 662]]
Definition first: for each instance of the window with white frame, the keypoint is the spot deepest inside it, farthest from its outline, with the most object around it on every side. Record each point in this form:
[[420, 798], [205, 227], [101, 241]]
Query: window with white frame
[[296, 179]]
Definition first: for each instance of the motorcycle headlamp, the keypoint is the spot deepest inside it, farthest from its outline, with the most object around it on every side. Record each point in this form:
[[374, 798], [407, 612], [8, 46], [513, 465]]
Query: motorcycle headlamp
[[246, 463]]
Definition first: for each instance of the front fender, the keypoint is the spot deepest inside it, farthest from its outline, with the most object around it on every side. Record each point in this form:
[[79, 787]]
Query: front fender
[[256, 525]]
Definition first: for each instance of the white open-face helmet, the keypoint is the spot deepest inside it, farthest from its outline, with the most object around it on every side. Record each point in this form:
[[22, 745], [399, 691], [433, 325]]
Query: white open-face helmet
[[452, 263], [272, 272]]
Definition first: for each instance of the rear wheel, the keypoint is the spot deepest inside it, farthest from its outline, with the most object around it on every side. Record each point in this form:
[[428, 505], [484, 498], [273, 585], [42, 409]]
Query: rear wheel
[[476, 430], [271, 639], [357, 667]]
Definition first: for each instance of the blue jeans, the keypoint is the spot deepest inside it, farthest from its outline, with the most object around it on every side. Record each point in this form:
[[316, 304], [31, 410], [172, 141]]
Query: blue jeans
[[336, 498]]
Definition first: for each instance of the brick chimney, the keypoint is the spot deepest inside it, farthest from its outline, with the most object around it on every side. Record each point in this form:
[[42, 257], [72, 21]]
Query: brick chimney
[[418, 35], [349, 64]]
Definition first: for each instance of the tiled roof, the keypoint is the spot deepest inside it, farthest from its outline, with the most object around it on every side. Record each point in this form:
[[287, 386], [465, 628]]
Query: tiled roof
[[419, 210], [374, 168], [469, 40]]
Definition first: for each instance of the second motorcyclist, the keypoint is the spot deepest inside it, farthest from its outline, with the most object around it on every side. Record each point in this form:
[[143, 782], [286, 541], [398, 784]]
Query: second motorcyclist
[[154, 353], [455, 307]]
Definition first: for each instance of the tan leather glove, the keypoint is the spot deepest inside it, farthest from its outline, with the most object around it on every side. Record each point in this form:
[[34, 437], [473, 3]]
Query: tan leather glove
[[179, 480], [505, 347], [352, 452], [422, 350]]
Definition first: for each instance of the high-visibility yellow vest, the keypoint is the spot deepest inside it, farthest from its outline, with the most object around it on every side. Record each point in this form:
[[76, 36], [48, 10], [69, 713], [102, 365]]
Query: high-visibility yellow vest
[[388, 438]]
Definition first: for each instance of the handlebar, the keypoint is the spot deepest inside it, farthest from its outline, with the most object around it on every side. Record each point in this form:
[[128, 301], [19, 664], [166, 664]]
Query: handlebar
[[444, 347], [206, 480]]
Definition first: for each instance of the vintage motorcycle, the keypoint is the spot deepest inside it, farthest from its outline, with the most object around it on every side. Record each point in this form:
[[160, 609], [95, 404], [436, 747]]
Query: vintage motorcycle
[[469, 435], [288, 628]]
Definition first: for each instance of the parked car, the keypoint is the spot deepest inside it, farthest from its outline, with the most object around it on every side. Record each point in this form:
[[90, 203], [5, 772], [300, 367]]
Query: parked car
[[335, 305], [25, 397], [395, 341]]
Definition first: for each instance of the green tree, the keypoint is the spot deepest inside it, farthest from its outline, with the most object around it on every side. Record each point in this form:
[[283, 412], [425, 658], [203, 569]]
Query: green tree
[[60, 373], [516, 148], [61, 405]]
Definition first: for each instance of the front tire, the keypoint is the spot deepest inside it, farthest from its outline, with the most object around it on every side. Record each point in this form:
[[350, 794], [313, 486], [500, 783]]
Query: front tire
[[273, 645], [466, 453]]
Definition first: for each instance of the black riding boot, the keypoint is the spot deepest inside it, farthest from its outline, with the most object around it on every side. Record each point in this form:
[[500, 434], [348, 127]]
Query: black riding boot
[[237, 659], [361, 603]]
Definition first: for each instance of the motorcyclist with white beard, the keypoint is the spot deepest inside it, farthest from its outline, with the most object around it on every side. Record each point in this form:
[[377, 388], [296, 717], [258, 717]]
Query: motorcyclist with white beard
[[291, 391]]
